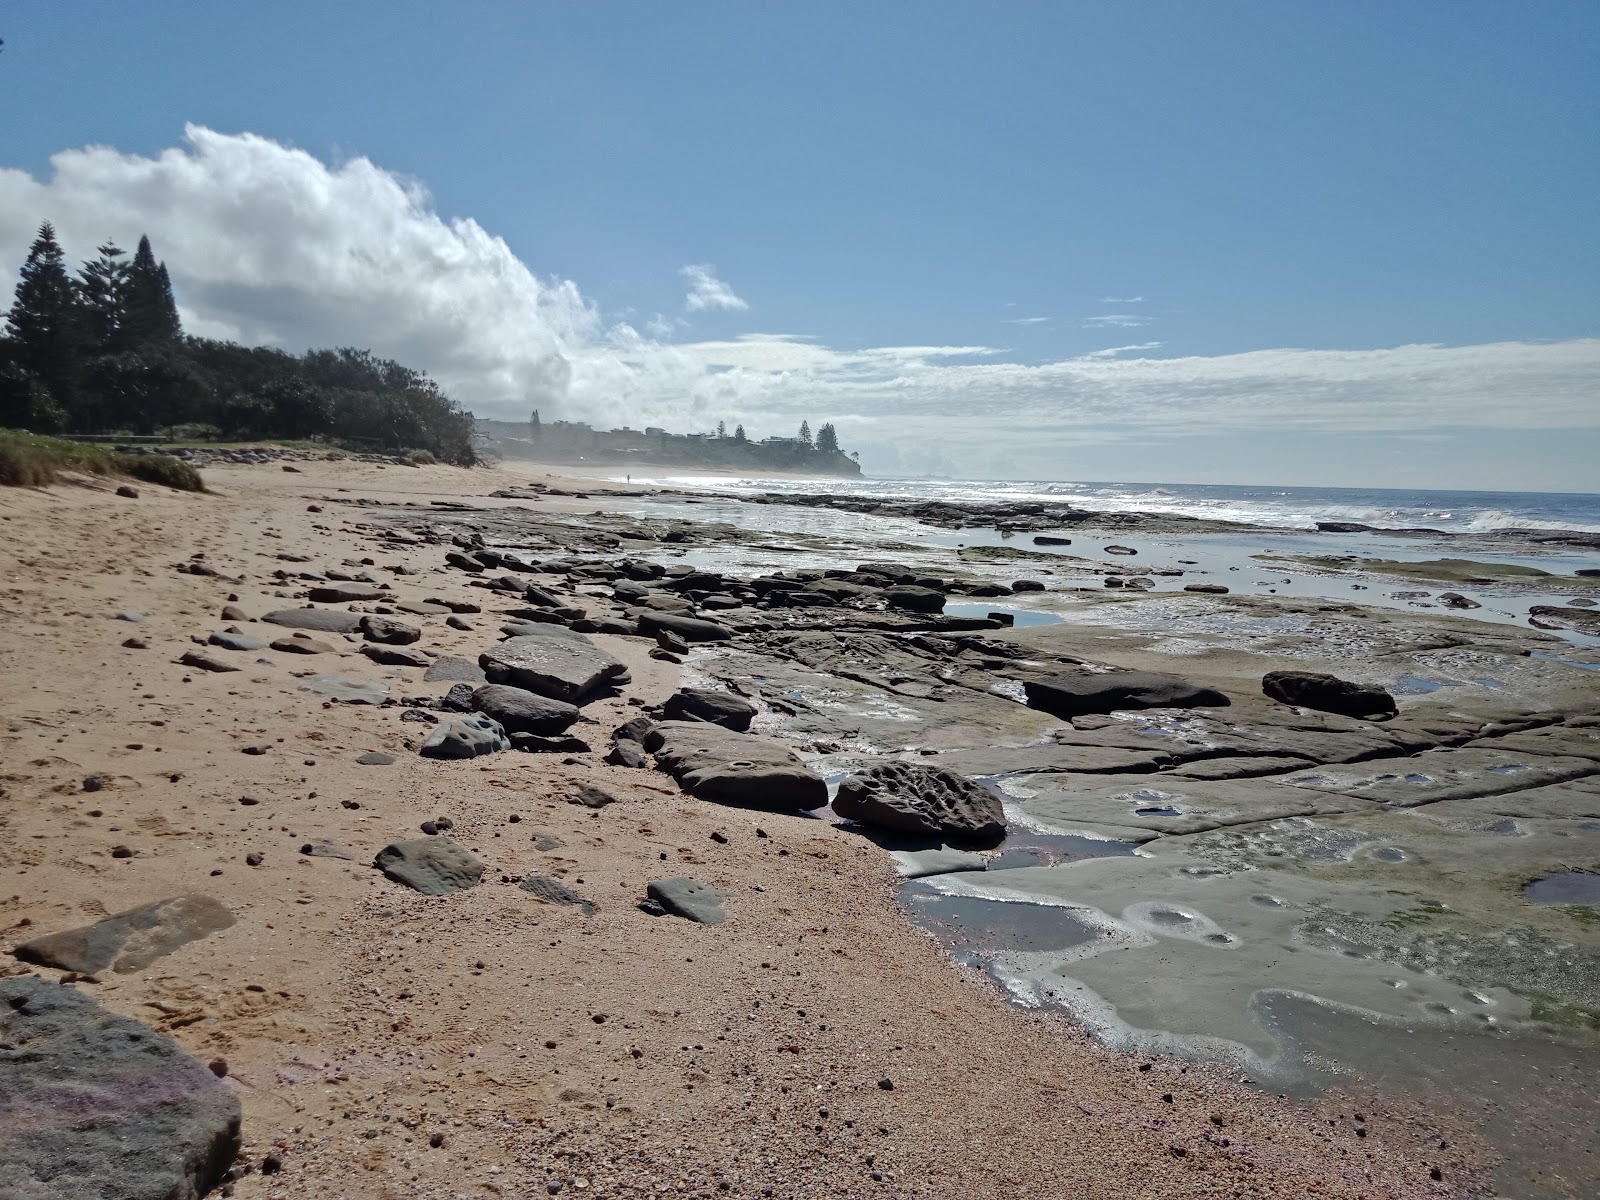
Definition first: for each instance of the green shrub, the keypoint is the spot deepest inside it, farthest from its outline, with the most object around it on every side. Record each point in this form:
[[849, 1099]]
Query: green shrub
[[32, 460], [162, 469]]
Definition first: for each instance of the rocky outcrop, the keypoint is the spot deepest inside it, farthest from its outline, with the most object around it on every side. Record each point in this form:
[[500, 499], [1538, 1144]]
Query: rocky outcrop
[[131, 940], [1328, 693], [911, 798], [553, 667], [93, 1104], [717, 764], [434, 866], [1082, 693]]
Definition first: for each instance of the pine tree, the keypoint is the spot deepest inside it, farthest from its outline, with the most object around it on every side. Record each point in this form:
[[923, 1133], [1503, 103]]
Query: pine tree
[[827, 440], [150, 314], [533, 426], [805, 433], [47, 319], [738, 433], [722, 430], [103, 288]]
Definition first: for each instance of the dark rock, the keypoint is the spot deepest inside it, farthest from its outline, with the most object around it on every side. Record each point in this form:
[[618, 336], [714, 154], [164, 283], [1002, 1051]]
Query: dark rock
[[1457, 600], [533, 743], [128, 941], [375, 758], [1210, 589], [1082, 693], [551, 667], [625, 752], [229, 640], [689, 898], [704, 704], [1046, 539], [912, 798], [135, 644], [455, 622], [1327, 693], [915, 599], [671, 642], [395, 656], [634, 729], [466, 737], [323, 848], [521, 711], [322, 620], [388, 632], [1120, 550], [232, 612], [128, 493], [719, 765], [200, 660], [590, 796], [553, 891], [94, 1104], [452, 667], [301, 645], [433, 866], [690, 629], [1027, 585], [345, 593], [458, 698]]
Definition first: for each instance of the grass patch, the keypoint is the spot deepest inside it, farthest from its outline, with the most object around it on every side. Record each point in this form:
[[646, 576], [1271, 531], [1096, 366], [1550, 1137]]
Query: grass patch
[[31, 460]]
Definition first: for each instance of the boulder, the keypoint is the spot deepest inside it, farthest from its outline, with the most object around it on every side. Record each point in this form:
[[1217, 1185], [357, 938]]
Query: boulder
[[690, 629], [704, 704], [466, 737], [521, 711], [553, 667], [300, 645], [689, 898], [533, 743], [229, 640], [915, 599], [323, 620], [1082, 692], [395, 656], [346, 593], [389, 632], [625, 752], [1207, 589], [93, 1104], [719, 765], [452, 668], [131, 940], [434, 866], [1328, 693], [911, 798]]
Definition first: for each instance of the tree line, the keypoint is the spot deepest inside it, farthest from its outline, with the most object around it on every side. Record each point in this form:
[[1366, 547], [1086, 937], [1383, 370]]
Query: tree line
[[103, 351]]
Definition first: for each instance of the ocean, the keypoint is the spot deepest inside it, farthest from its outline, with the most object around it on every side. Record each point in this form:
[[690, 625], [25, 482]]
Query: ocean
[[1254, 504]]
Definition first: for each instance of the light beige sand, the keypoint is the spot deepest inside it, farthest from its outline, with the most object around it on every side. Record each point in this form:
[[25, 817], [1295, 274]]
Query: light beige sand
[[613, 1055]]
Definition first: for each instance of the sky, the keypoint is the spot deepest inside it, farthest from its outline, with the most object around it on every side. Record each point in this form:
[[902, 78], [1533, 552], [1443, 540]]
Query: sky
[[1284, 243]]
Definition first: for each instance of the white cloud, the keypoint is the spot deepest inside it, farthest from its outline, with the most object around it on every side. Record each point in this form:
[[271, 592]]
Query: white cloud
[[1027, 320], [1116, 321], [1122, 300], [270, 245], [706, 290]]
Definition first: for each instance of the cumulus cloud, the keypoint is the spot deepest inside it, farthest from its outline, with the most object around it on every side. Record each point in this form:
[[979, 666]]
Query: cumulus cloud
[[706, 290], [269, 244]]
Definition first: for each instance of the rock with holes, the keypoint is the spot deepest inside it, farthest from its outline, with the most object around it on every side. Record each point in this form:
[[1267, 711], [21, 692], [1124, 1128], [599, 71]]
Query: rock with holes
[[1328, 693], [720, 765], [131, 940], [1082, 692], [911, 798], [466, 737], [93, 1104], [434, 866]]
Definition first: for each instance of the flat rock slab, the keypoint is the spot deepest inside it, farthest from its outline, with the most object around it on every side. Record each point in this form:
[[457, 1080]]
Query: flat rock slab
[[301, 645], [350, 691], [202, 661], [344, 593], [1443, 775], [93, 1104], [913, 798], [434, 866], [551, 667], [375, 758], [395, 656], [1082, 693], [553, 891], [719, 765], [453, 669], [131, 940], [514, 629], [323, 848], [423, 608], [1088, 760], [1137, 807], [521, 711], [324, 620], [690, 629], [689, 898], [705, 704], [919, 864], [236, 641], [466, 737]]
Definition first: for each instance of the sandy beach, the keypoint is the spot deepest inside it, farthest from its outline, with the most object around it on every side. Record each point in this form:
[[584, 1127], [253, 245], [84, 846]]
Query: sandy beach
[[386, 1044]]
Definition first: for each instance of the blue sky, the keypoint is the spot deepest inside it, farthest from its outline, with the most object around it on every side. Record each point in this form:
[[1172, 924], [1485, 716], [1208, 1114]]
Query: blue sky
[[1030, 183]]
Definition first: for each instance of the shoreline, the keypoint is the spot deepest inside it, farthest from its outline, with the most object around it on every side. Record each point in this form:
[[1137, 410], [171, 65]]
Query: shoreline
[[331, 1048]]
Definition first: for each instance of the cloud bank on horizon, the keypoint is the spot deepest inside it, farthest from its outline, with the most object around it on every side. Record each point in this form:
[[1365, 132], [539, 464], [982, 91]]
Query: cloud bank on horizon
[[267, 244]]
